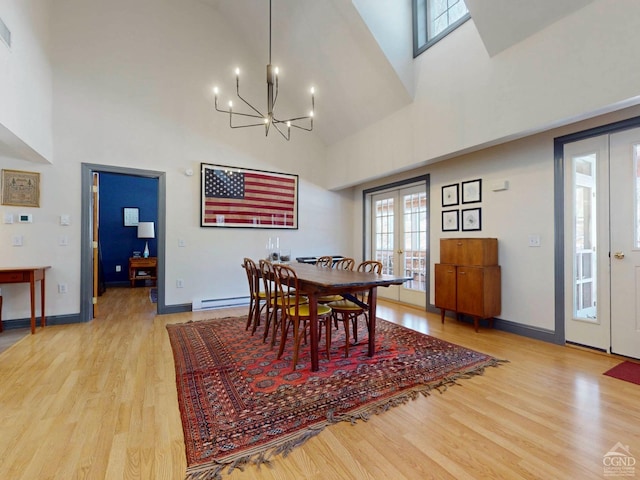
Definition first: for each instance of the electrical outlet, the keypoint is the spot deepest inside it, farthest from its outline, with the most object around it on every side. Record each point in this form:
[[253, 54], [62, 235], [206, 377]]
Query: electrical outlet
[[63, 240], [118, 268], [17, 240], [179, 283], [62, 288]]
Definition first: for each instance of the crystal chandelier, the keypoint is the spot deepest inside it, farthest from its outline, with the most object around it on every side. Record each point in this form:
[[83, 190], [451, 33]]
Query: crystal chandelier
[[268, 119]]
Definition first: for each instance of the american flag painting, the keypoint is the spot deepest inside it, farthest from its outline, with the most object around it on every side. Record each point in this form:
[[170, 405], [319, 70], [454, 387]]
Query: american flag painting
[[237, 197]]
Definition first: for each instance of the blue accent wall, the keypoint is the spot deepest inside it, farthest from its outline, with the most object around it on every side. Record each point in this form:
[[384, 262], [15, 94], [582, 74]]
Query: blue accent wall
[[117, 242]]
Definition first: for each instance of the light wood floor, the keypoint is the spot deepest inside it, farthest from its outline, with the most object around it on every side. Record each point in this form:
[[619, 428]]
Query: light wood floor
[[98, 401]]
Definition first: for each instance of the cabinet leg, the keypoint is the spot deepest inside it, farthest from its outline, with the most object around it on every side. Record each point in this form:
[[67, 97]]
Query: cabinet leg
[[442, 315], [491, 322], [475, 323]]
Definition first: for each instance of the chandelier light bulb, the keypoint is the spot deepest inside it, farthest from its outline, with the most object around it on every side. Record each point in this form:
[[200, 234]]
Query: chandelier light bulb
[[311, 113], [215, 91], [288, 124], [237, 72], [230, 104], [313, 90], [266, 120]]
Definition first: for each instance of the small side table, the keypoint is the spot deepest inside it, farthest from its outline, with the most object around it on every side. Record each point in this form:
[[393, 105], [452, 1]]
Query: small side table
[[143, 269]]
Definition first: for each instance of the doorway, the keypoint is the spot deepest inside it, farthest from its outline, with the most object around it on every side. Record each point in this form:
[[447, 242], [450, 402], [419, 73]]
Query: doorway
[[397, 229], [602, 242], [87, 297]]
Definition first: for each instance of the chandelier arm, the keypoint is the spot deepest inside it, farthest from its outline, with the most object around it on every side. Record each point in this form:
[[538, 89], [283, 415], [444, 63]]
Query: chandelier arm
[[303, 128], [249, 105], [236, 113], [291, 119], [281, 132], [245, 126]]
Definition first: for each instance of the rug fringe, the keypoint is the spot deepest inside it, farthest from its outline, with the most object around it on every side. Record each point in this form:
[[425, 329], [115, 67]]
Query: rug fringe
[[215, 470]]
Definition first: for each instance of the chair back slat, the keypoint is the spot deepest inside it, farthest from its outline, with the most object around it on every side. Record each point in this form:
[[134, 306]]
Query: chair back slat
[[344, 264], [324, 262], [370, 266]]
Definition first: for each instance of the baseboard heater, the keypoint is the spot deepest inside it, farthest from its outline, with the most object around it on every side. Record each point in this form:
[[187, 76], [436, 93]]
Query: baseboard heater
[[211, 303]]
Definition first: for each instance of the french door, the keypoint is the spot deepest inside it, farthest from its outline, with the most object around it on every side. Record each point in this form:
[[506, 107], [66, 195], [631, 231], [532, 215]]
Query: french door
[[399, 239], [602, 251]]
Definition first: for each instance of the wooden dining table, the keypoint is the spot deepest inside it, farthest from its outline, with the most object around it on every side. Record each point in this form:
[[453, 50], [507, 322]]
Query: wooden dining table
[[316, 282]]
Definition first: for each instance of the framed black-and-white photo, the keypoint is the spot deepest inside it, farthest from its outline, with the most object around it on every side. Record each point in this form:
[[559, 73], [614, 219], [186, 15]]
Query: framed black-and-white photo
[[471, 219], [450, 221], [472, 191], [130, 216], [450, 195]]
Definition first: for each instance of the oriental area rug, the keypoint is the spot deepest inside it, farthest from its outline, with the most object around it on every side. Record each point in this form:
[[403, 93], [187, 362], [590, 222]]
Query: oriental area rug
[[240, 405]]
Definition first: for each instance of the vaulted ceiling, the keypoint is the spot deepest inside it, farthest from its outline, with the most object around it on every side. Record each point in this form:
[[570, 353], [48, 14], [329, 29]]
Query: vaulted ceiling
[[358, 53]]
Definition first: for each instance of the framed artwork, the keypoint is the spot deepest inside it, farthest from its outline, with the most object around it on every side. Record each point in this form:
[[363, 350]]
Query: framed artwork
[[450, 221], [21, 189], [450, 195], [471, 219], [130, 216], [472, 191], [245, 198]]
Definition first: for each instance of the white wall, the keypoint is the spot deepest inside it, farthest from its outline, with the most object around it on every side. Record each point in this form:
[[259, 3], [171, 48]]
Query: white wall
[[576, 68], [25, 82], [132, 87], [525, 208]]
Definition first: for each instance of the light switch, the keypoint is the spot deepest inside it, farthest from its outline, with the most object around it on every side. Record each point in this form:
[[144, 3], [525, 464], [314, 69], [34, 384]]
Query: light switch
[[17, 240], [8, 218], [63, 240], [65, 220], [534, 240]]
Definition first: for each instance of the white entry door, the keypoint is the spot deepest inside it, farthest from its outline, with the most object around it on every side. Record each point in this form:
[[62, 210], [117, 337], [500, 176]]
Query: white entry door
[[625, 243], [399, 236]]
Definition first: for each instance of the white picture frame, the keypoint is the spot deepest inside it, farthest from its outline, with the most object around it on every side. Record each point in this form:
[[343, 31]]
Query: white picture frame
[[130, 216]]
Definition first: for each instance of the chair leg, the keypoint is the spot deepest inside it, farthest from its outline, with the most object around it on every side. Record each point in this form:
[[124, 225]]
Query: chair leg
[[251, 314], [1, 329], [345, 322], [283, 339], [267, 321]]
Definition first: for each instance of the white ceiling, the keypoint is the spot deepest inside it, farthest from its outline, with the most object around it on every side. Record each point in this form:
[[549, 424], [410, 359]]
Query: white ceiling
[[328, 44]]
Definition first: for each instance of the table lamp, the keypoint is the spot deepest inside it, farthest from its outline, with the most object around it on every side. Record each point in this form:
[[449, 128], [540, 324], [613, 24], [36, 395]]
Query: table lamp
[[146, 230]]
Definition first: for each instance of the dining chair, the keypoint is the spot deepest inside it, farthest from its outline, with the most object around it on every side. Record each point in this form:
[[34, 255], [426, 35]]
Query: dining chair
[[347, 311], [324, 262], [295, 313], [251, 270], [274, 302], [341, 264]]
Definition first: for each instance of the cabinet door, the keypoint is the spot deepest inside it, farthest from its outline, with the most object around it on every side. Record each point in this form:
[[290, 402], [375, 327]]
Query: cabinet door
[[479, 291], [445, 286], [471, 290]]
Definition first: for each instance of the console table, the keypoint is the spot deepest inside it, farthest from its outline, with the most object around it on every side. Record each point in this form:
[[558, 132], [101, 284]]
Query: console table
[[143, 269], [27, 275]]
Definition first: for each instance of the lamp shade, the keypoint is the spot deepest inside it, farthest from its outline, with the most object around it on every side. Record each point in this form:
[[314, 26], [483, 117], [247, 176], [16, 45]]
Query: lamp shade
[[146, 230]]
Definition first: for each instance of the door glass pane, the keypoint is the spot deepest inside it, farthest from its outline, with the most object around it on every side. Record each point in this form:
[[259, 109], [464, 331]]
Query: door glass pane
[[584, 240], [415, 240], [384, 215]]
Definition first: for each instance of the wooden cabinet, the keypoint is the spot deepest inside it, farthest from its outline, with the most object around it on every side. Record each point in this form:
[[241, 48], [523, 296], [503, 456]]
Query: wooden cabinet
[[467, 279]]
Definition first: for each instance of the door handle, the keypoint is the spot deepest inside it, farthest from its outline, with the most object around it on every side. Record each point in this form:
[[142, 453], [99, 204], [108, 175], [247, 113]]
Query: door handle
[[619, 255], [400, 251]]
